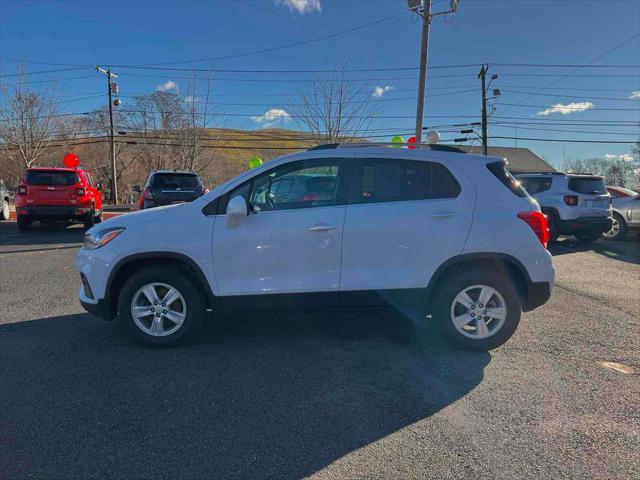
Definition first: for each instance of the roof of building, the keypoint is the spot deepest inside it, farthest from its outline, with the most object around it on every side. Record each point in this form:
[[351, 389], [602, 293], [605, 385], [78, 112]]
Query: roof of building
[[521, 160]]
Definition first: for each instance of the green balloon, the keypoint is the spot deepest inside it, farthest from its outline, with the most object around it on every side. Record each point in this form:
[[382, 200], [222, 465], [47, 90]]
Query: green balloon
[[397, 139], [255, 162]]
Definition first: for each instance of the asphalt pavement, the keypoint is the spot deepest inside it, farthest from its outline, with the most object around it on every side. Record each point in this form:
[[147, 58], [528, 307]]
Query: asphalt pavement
[[324, 394]]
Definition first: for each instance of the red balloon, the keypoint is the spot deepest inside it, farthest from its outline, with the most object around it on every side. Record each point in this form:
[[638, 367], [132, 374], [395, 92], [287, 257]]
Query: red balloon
[[411, 141], [71, 160]]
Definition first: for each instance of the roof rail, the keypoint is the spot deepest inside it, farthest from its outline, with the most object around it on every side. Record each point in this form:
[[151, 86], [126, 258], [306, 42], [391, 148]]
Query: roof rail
[[541, 173], [434, 147]]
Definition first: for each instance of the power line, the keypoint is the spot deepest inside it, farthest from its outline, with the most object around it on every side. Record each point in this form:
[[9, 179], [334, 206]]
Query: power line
[[611, 50], [574, 110]]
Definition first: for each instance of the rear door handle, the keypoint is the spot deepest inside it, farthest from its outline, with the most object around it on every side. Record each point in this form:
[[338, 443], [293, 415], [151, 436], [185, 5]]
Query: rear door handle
[[442, 214], [321, 227]]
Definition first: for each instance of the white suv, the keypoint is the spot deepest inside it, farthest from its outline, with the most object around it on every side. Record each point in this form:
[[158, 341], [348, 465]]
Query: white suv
[[575, 204], [436, 228]]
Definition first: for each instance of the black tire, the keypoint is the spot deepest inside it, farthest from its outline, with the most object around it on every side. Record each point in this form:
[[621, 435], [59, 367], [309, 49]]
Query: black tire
[[4, 210], [24, 222], [553, 228], [457, 282], [622, 228], [195, 305], [90, 219], [587, 237]]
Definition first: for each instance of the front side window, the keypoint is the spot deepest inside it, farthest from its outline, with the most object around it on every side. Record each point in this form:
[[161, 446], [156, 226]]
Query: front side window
[[298, 187]]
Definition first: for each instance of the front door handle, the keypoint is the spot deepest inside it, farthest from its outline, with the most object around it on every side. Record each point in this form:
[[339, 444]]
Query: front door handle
[[321, 227], [442, 214]]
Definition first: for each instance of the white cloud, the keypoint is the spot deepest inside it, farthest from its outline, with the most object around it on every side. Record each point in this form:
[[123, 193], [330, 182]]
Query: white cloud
[[627, 157], [567, 109], [301, 6], [635, 95], [168, 85], [271, 117], [378, 92]]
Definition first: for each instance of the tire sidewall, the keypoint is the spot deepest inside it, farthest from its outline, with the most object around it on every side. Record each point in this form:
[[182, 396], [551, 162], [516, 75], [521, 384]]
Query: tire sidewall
[[453, 285], [178, 280], [4, 210], [621, 232]]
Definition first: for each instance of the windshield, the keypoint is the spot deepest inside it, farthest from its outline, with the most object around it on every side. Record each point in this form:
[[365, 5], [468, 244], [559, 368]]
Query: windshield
[[50, 177], [587, 185], [175, 180]]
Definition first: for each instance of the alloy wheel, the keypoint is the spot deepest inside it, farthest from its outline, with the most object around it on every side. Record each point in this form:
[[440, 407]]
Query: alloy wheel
[[615, 229], [158, 309], [478, 312]]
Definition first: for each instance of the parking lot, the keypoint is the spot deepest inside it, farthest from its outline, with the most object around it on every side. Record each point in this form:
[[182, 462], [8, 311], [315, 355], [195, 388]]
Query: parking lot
[[327, 395]]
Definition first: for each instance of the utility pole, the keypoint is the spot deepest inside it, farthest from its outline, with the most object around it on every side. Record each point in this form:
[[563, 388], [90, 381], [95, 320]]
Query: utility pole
[[114, 180], [483, 78], [422, 79], [423, 8]]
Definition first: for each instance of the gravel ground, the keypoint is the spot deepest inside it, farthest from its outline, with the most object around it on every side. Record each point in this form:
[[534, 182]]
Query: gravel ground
[[325, 394]]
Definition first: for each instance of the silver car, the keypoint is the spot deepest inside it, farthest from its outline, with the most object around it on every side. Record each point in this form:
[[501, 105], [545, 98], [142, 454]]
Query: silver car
[[625, 216]]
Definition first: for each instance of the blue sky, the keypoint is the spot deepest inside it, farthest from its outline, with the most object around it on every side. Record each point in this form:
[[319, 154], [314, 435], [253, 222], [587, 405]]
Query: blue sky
[[572, 32]]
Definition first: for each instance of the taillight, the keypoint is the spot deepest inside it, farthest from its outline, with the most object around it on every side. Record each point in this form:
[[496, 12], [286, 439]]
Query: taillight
[[538, 223], [205, 191], [147, 194], [80, 191], [571, 200], [22, 190]]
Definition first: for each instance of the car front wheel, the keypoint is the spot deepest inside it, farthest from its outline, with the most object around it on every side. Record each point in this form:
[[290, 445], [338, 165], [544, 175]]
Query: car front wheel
[[618, 228], [477, 310], [161, 306]]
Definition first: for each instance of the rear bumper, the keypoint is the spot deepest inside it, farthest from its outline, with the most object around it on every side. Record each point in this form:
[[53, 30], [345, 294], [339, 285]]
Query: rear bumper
[[59, 212], [584, 224], [539, 294]]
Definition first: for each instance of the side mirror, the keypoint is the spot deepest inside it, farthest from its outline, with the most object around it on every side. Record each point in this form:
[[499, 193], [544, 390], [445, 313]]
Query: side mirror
[[237, 207], [136, 188]]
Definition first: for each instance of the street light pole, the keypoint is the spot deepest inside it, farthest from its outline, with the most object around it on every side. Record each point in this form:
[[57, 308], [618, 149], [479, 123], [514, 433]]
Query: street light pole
[[114, 180], [483, 78]]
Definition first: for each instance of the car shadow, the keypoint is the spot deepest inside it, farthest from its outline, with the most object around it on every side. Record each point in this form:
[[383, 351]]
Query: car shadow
[[254, 396], [39, 234], [626, 251]]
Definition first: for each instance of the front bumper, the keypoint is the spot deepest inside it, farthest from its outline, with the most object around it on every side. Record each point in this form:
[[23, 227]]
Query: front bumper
[[100, 309], [584, 224], [54, 212]]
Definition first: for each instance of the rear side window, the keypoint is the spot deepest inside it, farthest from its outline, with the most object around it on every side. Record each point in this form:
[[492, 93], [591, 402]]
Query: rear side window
[[587, 185], [535, 185], [403, 180], [499, 170], [45, 177], [174, 180]]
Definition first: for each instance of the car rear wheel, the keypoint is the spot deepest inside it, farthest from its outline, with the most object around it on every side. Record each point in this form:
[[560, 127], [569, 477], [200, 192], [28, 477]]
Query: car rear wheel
[[161, 306], [24, 222], [90, 219], [477, 310], [618, 228], [553, 228], [4, 211]]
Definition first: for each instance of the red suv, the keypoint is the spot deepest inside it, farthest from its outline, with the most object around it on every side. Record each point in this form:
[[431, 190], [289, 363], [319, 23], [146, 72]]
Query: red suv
[[58, 194]]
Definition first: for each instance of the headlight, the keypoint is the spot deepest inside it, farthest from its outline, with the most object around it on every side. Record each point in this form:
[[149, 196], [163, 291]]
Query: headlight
[[101, 237]]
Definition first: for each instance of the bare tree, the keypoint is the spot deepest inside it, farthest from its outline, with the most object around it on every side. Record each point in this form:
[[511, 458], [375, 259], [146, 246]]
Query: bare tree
[[332, 109], [29, 121]]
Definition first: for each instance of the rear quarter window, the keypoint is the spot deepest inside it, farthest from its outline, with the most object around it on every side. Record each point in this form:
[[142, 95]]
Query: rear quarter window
[[587, 185], [499, 170], [535, 185], [44, 177]]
